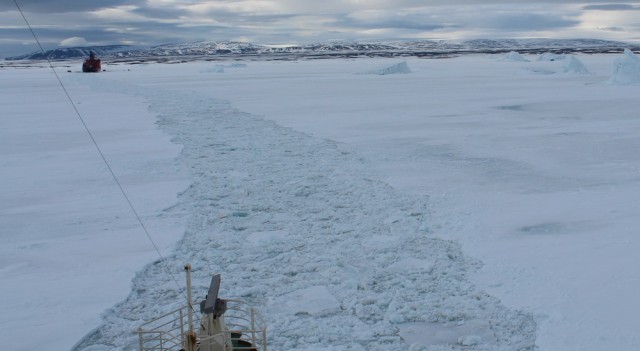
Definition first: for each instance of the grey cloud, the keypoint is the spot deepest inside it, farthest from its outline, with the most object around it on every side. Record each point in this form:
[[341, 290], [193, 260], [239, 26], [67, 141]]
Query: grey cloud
[[612, 7], [52, 36], [612, 29], [523, 2], [230, 17], [160, 13], [393, 21], [416, 25], [57, 6], [390, 24], [327, 19], [526, 22], [511, 21]]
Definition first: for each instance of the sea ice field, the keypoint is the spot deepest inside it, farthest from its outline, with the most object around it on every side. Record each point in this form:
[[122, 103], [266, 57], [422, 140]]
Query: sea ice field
[[481, 202]]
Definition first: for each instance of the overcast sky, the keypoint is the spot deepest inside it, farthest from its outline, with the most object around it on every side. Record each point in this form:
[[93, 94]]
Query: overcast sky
[[150, 22]]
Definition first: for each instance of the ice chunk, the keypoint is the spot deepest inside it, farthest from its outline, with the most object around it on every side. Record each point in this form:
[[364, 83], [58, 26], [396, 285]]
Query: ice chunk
[[626, 69], [401, 67], [315, 301], [411, 264], [468, 333], [260, 238], [514, 56], [575, 66]]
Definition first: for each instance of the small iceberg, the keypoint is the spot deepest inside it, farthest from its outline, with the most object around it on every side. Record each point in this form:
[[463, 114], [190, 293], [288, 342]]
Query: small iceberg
[[514, 56], [626, 69], [575, 66]]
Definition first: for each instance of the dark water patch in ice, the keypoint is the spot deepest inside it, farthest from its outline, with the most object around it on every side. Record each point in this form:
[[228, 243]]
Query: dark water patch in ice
[[555, 228], [511, 107], [543, 228]]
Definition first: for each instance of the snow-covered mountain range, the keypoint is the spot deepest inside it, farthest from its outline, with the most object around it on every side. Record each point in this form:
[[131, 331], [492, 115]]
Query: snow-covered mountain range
[[419, 48]]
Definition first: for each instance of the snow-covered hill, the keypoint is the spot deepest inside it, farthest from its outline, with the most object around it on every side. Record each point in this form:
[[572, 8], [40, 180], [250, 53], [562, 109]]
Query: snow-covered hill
[[72, 53], [420, 48]]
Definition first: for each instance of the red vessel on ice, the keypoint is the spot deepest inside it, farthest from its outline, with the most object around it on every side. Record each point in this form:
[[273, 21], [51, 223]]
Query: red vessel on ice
[[92, 64]]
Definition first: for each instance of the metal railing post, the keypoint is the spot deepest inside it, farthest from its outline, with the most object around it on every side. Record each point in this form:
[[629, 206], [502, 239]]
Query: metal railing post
[[264, 339], [191, 335], [182, 326], [253, 326], [187, 268]]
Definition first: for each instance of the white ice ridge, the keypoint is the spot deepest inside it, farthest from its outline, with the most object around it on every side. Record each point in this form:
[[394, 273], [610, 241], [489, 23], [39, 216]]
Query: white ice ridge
[[575, 66], [626, 69], [514, 56], [397, 68]]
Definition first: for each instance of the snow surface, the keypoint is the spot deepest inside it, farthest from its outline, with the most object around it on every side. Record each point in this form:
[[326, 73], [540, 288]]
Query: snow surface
[[474, 204]]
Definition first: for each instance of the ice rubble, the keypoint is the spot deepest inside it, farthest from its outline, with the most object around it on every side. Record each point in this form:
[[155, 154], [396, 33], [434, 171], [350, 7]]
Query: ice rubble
[[218, 68], [397, 68], [315, 301], [213, 69], [467, 333], [626, 69], [334, 259]]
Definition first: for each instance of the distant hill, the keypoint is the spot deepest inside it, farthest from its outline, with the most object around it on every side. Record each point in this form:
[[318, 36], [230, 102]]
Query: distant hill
[[71, 53], [420, 48]]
